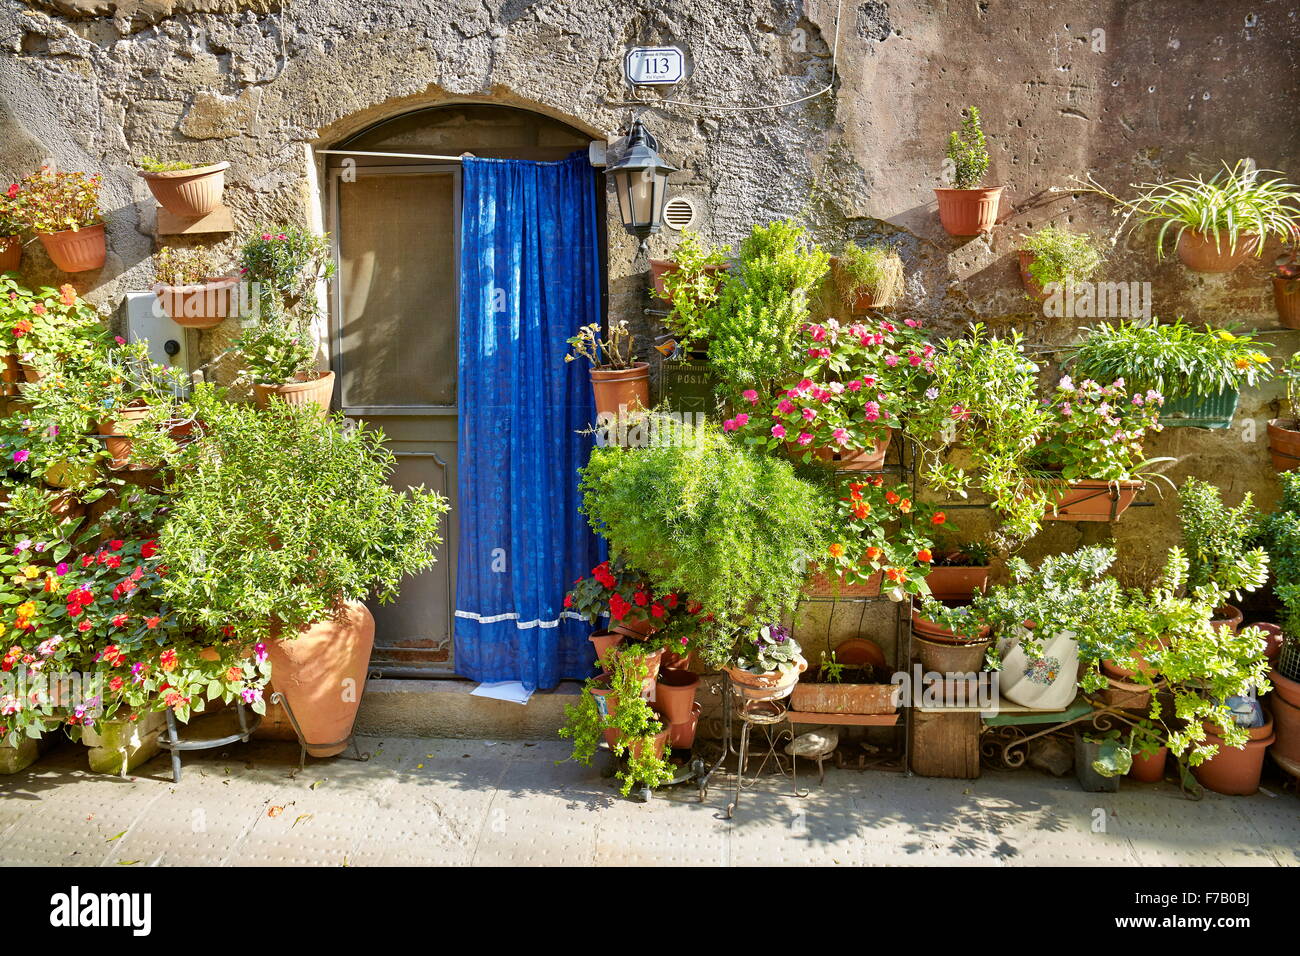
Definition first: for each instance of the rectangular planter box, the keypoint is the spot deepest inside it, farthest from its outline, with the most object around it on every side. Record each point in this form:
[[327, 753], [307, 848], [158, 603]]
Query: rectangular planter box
[[1201, 411], [843, 698], [1094, 501]]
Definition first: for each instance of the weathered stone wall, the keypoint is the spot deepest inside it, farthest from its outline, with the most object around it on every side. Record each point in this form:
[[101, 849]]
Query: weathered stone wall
[[1126, 90]]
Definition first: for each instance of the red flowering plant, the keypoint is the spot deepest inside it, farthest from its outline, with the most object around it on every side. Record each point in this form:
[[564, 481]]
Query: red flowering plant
[[859, 381], [625, 595], [93, 616], [882, 530], [11, 222]]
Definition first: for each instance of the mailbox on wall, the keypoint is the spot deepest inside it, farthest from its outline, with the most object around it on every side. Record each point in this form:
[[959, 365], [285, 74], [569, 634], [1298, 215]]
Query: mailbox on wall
[[145, 320]]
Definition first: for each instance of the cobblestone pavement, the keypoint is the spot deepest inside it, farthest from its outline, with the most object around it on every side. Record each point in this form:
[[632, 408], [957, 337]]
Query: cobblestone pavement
[[443, 801]]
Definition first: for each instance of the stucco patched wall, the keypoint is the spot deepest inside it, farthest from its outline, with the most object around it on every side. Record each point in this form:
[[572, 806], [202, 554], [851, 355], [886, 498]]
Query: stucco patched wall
[[1125, 91]]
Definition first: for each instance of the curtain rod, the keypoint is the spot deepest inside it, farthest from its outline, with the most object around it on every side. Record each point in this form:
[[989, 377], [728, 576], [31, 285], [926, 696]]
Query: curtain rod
[[362, 152]]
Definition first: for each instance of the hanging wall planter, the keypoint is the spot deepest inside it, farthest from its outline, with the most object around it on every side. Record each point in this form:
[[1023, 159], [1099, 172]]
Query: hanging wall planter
[[1201, 253], [189, 193], [11, 253], [315, 389], [956, 582], [203, 306], [1033, 288], [968, 212], [1092, 500], [1286, 295], [1201, 411], [117, 433], [76, 250], [661, 267], [621, 388]]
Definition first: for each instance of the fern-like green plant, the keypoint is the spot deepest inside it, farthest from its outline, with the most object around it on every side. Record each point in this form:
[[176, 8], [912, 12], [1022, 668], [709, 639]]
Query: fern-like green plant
[[1062, 256]]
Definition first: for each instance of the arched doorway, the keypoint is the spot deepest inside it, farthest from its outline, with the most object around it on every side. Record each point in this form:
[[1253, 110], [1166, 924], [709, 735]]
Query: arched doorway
[[394, 317]]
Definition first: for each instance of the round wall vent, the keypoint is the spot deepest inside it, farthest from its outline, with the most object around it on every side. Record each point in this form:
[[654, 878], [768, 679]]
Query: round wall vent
[[679, 213]]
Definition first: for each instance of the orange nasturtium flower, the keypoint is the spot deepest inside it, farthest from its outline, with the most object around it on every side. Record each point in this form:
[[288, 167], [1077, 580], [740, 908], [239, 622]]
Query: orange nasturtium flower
[[836, 550]]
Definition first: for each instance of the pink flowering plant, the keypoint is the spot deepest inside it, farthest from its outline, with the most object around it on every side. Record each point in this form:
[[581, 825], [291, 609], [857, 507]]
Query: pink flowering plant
[[1098, 431], [858, 382]]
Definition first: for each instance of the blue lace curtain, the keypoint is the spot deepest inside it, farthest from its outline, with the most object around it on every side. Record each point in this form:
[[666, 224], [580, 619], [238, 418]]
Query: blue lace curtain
[[530, 276]]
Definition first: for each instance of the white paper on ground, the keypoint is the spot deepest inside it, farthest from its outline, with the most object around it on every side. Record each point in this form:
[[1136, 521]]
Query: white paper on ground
[[511, 690]]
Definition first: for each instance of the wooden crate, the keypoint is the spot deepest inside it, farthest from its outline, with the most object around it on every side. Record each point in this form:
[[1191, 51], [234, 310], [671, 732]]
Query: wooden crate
[[945, 744]]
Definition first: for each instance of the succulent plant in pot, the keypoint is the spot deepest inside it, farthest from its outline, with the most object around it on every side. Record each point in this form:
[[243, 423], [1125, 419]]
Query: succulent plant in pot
[[965, 207], [63, 210]]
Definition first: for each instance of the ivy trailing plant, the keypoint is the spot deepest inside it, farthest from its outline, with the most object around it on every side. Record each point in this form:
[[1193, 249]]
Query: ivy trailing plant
[[704, 516], [967, 151], [1172, 358], [1062, 256], [281, 514], [763, 304], [984, 399]]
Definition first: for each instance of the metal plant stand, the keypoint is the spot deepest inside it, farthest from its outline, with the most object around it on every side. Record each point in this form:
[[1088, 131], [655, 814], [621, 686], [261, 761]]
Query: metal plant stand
[[349, 741], [170, 739]]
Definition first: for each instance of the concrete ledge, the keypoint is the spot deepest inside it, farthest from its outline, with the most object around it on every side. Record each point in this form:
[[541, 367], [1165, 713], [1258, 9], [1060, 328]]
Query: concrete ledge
[[445, 708]]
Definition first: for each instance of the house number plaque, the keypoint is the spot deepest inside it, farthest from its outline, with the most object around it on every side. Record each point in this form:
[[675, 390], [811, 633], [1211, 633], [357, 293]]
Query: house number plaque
[[654, 65]]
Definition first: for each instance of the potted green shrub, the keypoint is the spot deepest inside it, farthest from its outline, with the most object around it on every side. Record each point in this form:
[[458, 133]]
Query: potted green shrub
[[11, 227], [284, 266], [619, 382], [1217, 540], [1199, 372], [1284, 433], [703, 516], [1092, 449], [867, 277], [1279, 533], [689, 281], [190, 290], [1216, 223], [182, 188], [63, 210], [965, 207], [1052, 258], [283, 523]]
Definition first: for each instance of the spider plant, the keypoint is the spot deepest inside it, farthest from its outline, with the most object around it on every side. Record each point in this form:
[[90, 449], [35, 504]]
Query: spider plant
[[1233, 204], [1173, 358]]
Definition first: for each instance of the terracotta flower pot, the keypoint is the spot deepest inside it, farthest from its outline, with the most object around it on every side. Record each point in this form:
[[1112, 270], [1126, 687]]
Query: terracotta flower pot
[[322, 673], [968, 212], [79, 250], [1234, 771], [863, 459], [1284, 443], [672, 661], [822, 585], [1286, 296], [681, 736], [661, 267], [67, 506], [11, 374], [1149, 769], [1200, 253], [189, 193], [675, 695], [859, 302], [1227, 618], [604, 641], [1272, 639], [659, 742], [316, 389], [1091, 500], [118, 431], [1032, 286], [11, 253], [1286, 722], [621, 388], [956, 582], [939, 649], [1111, 669], [199, 306], [773, 685], [1284, 688]]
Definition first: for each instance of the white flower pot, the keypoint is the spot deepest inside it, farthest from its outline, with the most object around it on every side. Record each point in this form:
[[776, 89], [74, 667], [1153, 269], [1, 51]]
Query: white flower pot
[[1043, 683]]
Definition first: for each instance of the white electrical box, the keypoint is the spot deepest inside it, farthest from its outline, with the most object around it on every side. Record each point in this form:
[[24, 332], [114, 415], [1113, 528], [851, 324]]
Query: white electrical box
[[146, 320]]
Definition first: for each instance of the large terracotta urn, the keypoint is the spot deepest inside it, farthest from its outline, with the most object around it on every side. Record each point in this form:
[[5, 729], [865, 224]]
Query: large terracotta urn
[[322, 673]]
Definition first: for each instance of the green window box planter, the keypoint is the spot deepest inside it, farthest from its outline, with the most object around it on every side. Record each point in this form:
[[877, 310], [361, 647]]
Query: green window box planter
[[687, 386], [1201, 411]]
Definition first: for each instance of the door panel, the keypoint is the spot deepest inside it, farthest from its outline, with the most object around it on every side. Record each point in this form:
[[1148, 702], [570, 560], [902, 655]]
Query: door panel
[[395, 315]]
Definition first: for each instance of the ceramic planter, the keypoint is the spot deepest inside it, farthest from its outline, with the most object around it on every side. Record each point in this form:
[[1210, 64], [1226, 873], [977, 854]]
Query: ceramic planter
[[1284, 688], [322, 673], [189, 193], [637, 630], [316, 389], [968, 212], [11, 253], [76, 250], [1286, 296], [621, 388], [1286, 724], [675, 695], [1273, 640], [939, 650], [1042, 683], [1091, 500], [1284, 443], [957, 582], [1235, 771], [672, 661], [117, 434], [1201, 253], [604, 642], [1149, 769], [825, 698], [1227, 617], [202, 306]]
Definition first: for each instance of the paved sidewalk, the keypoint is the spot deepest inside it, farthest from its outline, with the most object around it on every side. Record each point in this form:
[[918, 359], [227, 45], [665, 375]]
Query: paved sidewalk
[[482, 802]]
